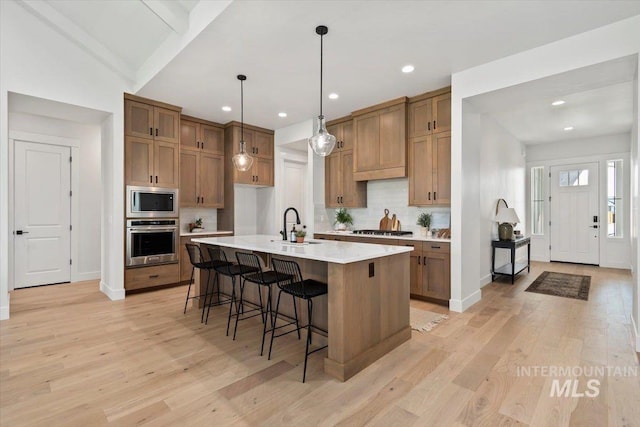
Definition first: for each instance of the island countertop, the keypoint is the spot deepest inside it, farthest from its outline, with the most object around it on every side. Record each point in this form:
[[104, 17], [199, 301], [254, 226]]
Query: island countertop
[[318, 250]]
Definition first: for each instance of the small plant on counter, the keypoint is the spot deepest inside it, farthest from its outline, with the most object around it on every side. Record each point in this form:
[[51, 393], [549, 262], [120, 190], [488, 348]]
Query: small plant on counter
[[424, 221], [343, 218], [198, 223], [301, 234]]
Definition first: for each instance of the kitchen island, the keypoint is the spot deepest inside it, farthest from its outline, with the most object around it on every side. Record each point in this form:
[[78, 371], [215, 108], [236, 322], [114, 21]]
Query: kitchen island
[[366, 311]]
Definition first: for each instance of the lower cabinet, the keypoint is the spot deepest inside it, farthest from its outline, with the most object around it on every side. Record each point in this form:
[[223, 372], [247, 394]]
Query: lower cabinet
[[149, 277]]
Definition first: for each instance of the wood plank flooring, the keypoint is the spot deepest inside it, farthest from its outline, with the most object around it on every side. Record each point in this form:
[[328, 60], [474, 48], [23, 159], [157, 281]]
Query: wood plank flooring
[[71, 357]]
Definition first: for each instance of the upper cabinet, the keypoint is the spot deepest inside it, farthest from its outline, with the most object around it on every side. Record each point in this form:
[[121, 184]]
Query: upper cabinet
[[430, 115], [144, 120], [259, 145], [199, 135], [380, 141], [152, 143], [341, 190]]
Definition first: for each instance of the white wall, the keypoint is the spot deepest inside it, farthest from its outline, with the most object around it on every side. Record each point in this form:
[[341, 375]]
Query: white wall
[[610, 42], [635, 212], [614, 252], [36, 60], [87, 225], [246, 212]]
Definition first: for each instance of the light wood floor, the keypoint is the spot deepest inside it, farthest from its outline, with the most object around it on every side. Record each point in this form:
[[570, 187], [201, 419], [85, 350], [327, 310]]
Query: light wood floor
[[69, 356]]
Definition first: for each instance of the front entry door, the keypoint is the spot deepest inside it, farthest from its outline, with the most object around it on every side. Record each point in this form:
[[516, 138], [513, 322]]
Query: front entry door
[[574, 230], [42, 214]]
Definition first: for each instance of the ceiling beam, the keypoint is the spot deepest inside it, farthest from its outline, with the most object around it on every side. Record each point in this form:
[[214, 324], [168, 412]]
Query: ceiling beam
[[171, 13], [67, 28]]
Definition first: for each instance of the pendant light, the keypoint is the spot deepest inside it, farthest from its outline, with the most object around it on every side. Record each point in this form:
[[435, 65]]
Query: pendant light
[[242, 161], [322, 142]]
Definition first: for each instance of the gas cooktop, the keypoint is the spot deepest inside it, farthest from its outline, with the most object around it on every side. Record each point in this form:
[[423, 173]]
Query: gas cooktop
[[383, 232]]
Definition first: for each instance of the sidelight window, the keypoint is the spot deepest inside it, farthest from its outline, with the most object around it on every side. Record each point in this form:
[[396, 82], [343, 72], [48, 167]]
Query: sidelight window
[[537, 200], [614, 198]]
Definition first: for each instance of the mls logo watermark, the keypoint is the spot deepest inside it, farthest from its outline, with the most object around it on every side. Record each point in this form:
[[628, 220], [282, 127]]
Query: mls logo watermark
[[576, 381]]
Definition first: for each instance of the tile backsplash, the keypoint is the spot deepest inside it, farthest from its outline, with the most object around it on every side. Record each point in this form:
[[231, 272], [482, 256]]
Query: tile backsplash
[[209, 218], [389, 194]]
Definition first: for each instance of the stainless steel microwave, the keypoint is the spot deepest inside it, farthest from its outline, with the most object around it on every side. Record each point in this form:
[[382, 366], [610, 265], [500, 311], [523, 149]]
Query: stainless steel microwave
[[152, 202]]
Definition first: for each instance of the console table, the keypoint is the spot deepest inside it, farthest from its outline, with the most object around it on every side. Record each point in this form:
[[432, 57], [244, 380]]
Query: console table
[[512, 268]]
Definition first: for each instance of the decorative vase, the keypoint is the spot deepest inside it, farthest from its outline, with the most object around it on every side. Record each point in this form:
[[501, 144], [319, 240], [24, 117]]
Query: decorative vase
[[429, 233], [299, 239], [424, 231], [341, 227]]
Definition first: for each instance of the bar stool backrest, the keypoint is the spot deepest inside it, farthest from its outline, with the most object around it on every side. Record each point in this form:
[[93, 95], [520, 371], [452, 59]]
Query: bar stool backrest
[[195, 254], [217, 256], [287, 272], [250, 260]]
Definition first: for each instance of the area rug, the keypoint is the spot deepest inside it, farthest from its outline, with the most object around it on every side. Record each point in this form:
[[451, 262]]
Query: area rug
[[424, 320], [562, 285]]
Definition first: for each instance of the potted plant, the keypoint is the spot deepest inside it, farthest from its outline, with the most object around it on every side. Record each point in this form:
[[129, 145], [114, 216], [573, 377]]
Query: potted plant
[[424, 221], [343, 218], [300, 234], [197, 226]]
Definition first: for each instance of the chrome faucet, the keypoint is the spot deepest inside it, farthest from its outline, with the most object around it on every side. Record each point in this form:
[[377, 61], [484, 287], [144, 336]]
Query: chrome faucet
[[284, 222]]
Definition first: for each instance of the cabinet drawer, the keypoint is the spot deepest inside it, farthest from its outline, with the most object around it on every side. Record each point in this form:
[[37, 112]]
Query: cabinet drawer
[[438, 247], [147, 277]]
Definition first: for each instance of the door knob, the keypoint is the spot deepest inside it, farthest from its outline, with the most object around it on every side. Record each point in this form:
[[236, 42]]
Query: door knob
[[19, 232]]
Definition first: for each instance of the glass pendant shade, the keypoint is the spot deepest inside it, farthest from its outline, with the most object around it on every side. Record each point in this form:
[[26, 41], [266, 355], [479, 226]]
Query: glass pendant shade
[[322, 142], [242, 161]]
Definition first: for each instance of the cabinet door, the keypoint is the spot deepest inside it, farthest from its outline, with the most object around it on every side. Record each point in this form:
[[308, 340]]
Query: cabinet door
[[166, 160], [263, 171], [189, 134], [441, 113], [249, 137], [367, 142], [138, 119], [393, 140], [435, 275], [336, 130], [347, 135], [189, 176], [263, 145], [420, 172], [332, 180], [211, 180], [442, 168], [353, 194], [247, 177], [420, 118], [415, 272], [167, 125], [138, 161], [211, 139]]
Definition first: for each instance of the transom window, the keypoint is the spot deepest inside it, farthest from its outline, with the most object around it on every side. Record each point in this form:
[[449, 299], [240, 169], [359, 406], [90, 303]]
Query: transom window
[[574, 178]]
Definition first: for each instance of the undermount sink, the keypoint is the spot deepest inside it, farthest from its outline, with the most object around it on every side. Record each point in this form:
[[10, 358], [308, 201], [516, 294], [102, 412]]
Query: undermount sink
[[296, 244]]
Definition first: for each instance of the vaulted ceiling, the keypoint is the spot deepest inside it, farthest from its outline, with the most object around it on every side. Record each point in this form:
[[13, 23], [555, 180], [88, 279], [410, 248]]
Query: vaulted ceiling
[[189, 52]]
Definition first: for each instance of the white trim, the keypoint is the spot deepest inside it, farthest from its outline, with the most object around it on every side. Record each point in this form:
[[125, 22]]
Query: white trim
[[4, 310], [635, 333], [485, 280], [74, 146], [87, 275], [113, 294], [462, 305]]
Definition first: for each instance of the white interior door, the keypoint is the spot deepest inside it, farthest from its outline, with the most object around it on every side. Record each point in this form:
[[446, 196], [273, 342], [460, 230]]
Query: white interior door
[[574, 230], [42, 214]]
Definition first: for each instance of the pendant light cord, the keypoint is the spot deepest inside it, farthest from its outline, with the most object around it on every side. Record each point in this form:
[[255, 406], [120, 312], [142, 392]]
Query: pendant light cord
[[242, 110], [321, 64]]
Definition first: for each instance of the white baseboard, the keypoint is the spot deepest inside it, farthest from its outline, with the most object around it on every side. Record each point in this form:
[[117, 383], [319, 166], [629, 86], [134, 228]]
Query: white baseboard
[[461, 305], [4, 310], [88, 275], [616, 265], [636, 334], [484, 281], [113, 294]]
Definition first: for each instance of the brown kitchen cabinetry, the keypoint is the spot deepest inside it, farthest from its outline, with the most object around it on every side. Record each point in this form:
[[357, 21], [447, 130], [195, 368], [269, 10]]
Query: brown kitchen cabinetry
[[149, 277], [201, 179], [430, 170], [430, 114], [151, 121], [341, 190], [380, 141], [196, 134], [259, 145], [342, 129]]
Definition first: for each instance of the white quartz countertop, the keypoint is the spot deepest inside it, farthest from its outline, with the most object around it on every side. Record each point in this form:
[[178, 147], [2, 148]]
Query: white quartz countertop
[[207, 233], [414, 237], [319, 250]]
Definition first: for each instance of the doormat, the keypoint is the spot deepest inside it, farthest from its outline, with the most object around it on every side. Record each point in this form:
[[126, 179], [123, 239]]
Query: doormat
[[562, 285], [424, 320]]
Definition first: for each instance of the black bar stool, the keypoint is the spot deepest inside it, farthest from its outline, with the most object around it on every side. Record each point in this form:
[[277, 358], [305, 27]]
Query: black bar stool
[[198, 261], [291, 282], [229, 269], [262, 279]]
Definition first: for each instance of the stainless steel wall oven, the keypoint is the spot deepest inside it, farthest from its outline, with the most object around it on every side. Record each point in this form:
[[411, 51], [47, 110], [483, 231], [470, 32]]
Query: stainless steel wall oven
[[152, 241]]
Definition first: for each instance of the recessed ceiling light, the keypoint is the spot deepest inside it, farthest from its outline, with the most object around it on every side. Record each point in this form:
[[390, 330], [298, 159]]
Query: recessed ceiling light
[[333, 95], [558, 102], [408, 68], [283, 114], [568, 128], [226, 108]]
